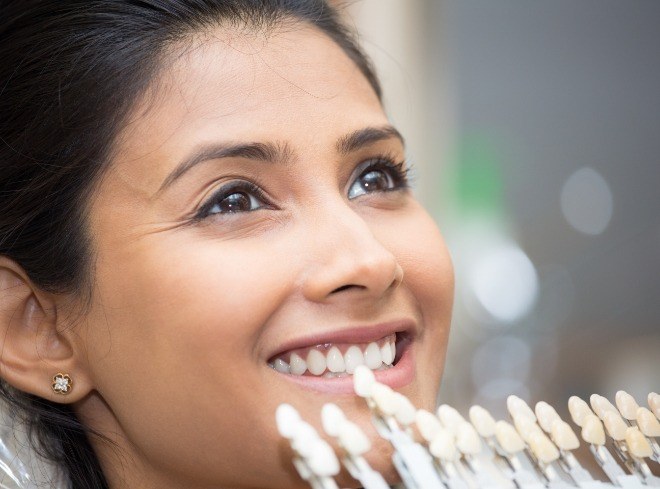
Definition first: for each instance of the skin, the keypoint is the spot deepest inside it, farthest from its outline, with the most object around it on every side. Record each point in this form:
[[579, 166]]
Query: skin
[[170, 361]]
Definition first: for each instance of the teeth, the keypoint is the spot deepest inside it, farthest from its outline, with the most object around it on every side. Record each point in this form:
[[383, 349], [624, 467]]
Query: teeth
[[467, 439], [298, 365], [315, 362], [335, 360], [579, 410], [626, 404], [329, 361], [442, 447], [526, 427], [281, 366], [450, 418], [405, 411], [353, 358], [372, 356], [353, 439], [614, 425], [648, 424], [332, 418], [427, 424], [387, 353], [385, 399]]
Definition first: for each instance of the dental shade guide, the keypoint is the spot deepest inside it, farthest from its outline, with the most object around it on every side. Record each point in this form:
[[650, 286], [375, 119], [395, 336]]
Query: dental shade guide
[[483, 454], [411, 460], [355, 444]]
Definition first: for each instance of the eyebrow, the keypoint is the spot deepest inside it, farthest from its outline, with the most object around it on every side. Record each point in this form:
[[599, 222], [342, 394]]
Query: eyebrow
[[280, 153]]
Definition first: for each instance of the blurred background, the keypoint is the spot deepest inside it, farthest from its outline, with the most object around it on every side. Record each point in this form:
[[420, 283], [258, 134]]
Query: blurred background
[[534, 129]]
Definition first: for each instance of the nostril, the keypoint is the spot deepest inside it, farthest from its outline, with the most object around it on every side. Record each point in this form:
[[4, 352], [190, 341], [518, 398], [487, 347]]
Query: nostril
[[345, 287]]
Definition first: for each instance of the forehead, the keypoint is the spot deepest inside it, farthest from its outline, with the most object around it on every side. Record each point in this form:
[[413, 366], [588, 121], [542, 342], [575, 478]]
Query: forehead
[[291, 84]]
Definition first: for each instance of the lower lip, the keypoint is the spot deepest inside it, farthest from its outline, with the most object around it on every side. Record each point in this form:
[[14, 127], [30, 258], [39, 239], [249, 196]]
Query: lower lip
[[398, 376]]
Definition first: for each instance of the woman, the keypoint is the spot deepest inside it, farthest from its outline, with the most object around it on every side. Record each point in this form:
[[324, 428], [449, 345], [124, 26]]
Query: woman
[[206, 213]]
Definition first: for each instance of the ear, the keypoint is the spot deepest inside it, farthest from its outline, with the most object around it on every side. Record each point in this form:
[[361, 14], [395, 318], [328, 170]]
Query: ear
[[34, 347]]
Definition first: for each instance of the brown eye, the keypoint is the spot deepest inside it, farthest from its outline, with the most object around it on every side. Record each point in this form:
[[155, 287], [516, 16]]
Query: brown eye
[[380, 175], [236, 202], [234, 198]]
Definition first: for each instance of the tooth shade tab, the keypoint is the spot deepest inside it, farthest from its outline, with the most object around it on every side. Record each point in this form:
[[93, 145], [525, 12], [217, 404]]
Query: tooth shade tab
[[385, 399], [482, 421], [322, 459], [546, 415], [654, 403], [563, 435], [287, 419], [442, 446], [526, 427], [427, 424], [579, 410], [637, 443], [626, 404], [592, 430], [508, 438], [467, 439], [450, 417], [332, 418], [615, 425], [600, 405], [304, 437], [363, 381], [648, 424], [543, 448], [353, 439], [405, 411], [519, 408]]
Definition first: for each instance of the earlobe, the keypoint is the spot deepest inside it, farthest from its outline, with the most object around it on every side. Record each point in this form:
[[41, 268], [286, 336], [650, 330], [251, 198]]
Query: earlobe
[[33, 351]]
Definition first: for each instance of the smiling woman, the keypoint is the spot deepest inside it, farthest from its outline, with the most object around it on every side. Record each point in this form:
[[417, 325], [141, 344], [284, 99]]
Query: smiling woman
[[206, 213]]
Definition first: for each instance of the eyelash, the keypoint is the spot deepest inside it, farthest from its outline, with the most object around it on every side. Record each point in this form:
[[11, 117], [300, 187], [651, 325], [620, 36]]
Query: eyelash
[[398, 172]]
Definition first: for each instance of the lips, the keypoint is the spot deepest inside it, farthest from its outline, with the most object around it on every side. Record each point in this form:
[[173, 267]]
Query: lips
[[326, 361]]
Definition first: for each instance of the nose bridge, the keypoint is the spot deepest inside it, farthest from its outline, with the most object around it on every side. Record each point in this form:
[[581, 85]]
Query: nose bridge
[[348, 255]]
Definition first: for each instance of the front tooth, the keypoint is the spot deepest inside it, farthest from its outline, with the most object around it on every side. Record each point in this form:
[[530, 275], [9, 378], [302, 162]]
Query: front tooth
[[335, 360], [315, 362], [372, 357], [298, 365], [386, 353], [281, 366], [353, 357]]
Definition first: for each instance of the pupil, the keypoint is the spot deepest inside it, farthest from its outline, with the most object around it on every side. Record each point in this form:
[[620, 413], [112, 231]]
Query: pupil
[[374, 180], [236, 202]]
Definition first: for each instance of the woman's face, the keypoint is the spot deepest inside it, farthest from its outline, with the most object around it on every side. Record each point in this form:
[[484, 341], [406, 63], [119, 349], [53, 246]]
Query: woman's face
[[254, 211]]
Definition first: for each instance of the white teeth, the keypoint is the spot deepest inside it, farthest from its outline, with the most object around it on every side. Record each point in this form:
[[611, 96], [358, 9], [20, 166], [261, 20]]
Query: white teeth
[[353, 357], [315, 362], [372, 356], [626, 404], [387, 353], [335, 360], [331, 363], [298, 365], [637, 443], [579, 410], [281, 366], [563, 435], [648, 424], [592, 430]]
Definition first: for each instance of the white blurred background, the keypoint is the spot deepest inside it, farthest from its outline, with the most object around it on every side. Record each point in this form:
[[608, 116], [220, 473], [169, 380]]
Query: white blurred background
[[534, 128]]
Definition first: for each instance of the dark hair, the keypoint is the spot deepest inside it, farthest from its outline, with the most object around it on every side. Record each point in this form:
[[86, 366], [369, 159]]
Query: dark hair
[[70, 72]]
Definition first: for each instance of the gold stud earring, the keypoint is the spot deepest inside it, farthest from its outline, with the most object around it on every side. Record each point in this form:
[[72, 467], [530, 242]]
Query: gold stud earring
[[62, 384]]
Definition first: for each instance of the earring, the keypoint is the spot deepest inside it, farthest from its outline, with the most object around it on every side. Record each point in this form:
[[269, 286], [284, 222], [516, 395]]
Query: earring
[[62, 384]]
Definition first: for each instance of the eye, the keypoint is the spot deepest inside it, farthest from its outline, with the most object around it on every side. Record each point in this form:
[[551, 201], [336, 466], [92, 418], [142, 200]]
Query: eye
[[378, 175], [233, 198]]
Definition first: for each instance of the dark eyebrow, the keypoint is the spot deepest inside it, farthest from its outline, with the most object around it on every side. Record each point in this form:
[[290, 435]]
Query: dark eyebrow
[[363, 137], [266, 152], [275, 153]]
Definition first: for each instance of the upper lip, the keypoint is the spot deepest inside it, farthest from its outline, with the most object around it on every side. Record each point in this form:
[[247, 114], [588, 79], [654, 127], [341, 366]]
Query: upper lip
[[351, 334]]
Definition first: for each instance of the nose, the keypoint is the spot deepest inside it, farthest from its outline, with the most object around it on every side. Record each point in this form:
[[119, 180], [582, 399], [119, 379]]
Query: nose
[[348, 259]]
